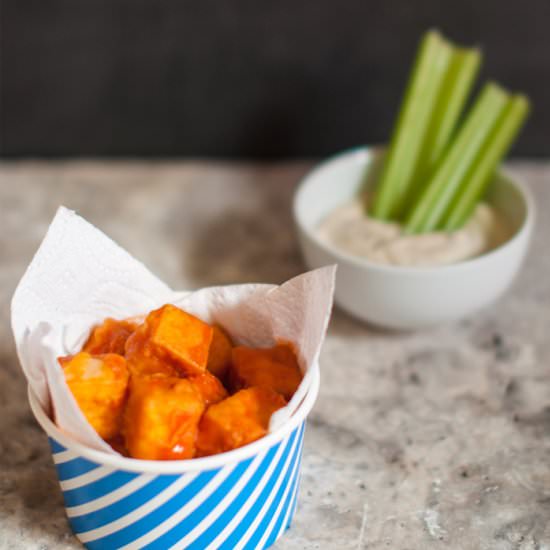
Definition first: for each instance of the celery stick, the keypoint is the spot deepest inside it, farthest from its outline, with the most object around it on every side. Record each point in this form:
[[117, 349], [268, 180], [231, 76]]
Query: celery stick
[[433, 202], [492, 152], [424, 83], [454, 92]]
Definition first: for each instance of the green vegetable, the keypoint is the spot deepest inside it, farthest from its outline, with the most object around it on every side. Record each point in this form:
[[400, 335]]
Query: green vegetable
[[435, 169], [428, 211], [456, 86], [494, 149], [413, 121]]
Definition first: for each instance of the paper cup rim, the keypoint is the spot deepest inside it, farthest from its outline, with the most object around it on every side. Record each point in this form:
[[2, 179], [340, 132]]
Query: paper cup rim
[[177, 466]]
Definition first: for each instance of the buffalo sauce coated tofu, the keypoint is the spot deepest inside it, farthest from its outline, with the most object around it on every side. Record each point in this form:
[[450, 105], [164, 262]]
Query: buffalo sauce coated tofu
[[173, 337], [109, 337], [237, 420], [274, 368], [99, 384], [142, 359], [175, 387], [219, 357], [161, 418], [209, 387]]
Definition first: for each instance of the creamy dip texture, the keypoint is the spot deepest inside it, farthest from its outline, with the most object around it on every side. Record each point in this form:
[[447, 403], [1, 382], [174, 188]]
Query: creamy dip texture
[[350, 230]]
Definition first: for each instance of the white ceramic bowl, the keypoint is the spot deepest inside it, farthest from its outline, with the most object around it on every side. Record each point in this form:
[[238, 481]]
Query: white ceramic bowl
[[407, 297]]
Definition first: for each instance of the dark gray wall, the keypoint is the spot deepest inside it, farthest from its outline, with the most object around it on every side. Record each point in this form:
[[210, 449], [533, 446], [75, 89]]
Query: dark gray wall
[[252, 78]]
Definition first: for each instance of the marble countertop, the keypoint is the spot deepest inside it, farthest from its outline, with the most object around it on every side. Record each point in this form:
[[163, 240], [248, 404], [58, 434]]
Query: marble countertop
[[428, 440]]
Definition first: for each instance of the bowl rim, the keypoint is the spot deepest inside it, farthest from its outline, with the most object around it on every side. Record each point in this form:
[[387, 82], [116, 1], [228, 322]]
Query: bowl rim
[[228, 458], [365, 151]]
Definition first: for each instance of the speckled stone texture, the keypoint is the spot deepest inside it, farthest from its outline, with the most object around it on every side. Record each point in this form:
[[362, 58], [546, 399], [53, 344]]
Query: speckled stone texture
[[429, 440]]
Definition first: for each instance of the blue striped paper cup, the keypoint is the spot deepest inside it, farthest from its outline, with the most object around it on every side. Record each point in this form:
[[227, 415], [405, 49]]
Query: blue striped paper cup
[[245, 498]]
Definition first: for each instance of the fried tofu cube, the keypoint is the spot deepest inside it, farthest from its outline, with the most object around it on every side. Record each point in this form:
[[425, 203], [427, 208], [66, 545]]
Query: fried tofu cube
[[109, 337], [183, 337], [148, 366], [237, 420], [274, 368], [174, 336], [219, 357], [99, 384], [209, 387], [161, 418], [142, 360]]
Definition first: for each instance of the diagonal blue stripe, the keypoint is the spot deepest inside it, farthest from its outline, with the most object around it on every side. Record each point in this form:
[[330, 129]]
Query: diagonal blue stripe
[[288, 501], [268, 515], [219, 525], [287, 506], [121, 507], [296, 491], [242, 527], [155, 517], [74, 468], [295, 501], [55, 446], [97, 489], [202, 511]]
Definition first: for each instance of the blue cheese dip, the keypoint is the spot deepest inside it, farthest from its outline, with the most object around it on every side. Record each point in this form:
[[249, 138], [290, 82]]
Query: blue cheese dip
[[350, 230]]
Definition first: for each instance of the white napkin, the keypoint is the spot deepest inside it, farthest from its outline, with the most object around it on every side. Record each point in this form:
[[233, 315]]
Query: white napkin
[[79, 276]]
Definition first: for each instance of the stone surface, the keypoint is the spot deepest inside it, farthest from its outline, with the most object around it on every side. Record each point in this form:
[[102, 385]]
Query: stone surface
[[436, 439]]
